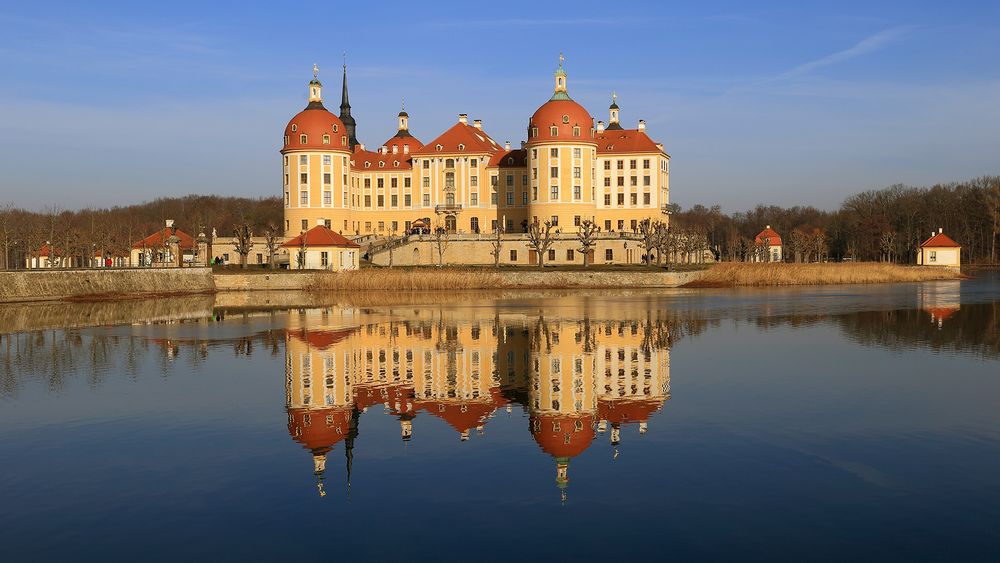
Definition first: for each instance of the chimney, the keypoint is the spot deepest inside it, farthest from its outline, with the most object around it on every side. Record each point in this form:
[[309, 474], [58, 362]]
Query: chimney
[[477, 123], [320, 222], [642, 125], [940, 230], [659, 146], [361, 146], [463, 118], [170, 223], [769, 226], [406, 149], [384, 150], [600, 126], [524, 144], [506, 145]]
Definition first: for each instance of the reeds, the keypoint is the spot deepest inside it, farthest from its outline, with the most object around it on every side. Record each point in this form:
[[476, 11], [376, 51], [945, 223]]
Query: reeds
[[731, 274]]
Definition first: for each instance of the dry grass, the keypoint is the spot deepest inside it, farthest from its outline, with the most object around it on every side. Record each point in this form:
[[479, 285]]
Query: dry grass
[[410, 280], [744, 274]]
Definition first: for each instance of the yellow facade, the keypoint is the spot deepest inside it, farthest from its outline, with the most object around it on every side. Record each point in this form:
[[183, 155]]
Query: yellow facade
[[615, 178]]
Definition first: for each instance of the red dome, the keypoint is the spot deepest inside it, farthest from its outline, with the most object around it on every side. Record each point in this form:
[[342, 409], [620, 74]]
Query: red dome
[[460, 416], [564, 115], [563, 435], [318, 430], [314, 123]]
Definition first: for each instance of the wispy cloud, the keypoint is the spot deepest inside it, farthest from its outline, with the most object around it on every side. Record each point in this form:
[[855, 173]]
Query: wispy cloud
[[532, 22], [867, 45]]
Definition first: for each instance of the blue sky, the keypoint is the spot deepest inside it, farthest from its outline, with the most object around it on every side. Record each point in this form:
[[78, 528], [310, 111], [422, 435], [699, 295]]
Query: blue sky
[[109, 103]]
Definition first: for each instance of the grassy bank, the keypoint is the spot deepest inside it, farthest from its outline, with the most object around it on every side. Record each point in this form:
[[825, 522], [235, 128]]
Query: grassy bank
[[744, 274]]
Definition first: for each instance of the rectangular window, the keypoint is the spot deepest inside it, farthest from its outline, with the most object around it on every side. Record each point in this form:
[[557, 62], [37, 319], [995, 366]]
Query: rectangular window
[[381, 182], [633, 181], [607, 199], [534, 154], [645, 163], [554, 193], [607, 182], [621, 199], [621, 224], [621, 180], [327, 198], [576, 220], [394, 200], [327, 178], [381, 226], [645, 199], [524, 179], [510, 180], [645, 180], [381, 200], [631, 164], [368, 182], [576, 153], [324, 259], [609, 254], [368, 201], [494, 198], [534, 173], [473, 180], [569, 255], [524, 198], [406, 200], [576, 193], [394, 183], [555, 220], [634, 224], [427, 200], [474, 198], [513, 255], [552, 254], [534, 193], [607, 165], [554, 153], [286, 199], [427, 182], [303, 198], [395, 226], [427, 164], [576, 172], [286, 179], [621, 165], [633, 199], [303, 159], [510, 198], [326, 160], [607, 225], [406, 182], [305, 224], [554, 171], [303, 178]]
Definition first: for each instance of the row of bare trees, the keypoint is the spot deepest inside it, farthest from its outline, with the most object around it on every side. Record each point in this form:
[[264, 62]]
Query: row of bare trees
[[75, 238]]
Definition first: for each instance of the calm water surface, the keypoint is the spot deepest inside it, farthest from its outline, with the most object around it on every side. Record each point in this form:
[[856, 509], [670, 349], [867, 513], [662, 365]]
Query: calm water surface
[[782, 424]]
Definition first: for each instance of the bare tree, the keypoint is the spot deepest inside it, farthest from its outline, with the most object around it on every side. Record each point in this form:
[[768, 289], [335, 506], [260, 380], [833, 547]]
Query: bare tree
[[7, 229], [648, 230], [272, 241], [300, 258], [390, 243], [497, 243], [441, 241], [243, 242], [587, 236], [887, 244], [540, 238], [817, 243]]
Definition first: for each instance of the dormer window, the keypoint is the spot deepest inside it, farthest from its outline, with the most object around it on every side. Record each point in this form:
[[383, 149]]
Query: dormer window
[[576, 131], [368, 165], [326, 139], [286, 140], [343, 140], [381, 164], [303, 139], [554, 131], [335, 128], [438, 148], [461, 147], [395, 163], [534, 131], [510, 161], [294, 127], [565, 119]]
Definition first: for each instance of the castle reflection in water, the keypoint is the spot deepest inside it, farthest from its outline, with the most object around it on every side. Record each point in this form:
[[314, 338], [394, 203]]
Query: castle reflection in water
[[575, 378]]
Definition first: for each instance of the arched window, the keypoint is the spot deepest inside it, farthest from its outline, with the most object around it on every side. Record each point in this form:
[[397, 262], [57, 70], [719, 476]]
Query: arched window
[[326, 139], [395, 163], [449, 163], [438, 148], [303, 139], [576, 131], [449, 179], [449, 199], [554, 131]]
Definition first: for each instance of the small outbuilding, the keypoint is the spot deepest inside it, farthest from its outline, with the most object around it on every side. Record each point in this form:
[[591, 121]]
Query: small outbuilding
[[768, 244], [320, 248], [940, 250], [168, 247]]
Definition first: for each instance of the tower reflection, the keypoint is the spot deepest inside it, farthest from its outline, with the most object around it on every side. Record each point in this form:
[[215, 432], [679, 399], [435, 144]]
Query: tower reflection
[[574, 378]]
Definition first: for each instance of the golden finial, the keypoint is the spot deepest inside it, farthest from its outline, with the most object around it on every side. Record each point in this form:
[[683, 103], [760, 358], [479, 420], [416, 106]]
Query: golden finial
[[561, 59], [315, 71], [614, 97]]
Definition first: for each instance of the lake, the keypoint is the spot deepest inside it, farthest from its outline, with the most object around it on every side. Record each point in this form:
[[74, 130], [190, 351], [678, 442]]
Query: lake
[[813, 423]]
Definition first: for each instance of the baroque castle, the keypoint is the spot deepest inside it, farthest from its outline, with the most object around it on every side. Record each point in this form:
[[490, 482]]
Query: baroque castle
[[463, 181]]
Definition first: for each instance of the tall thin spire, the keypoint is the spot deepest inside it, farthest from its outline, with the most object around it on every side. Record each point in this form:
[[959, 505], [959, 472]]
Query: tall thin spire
[[345, 111]]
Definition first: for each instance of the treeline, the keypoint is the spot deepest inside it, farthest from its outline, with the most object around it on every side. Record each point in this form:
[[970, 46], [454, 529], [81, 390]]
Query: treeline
[[877, 225], [80, 235]]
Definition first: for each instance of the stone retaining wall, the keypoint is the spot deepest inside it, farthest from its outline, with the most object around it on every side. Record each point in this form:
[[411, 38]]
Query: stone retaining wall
[[41, 285]]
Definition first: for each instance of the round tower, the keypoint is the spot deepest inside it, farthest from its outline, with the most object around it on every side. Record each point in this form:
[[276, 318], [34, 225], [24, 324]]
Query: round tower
[[561, 155], [315, 166]]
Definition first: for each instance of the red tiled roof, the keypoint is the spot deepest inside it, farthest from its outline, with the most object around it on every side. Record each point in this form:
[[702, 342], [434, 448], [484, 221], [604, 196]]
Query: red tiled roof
[[398, 142], [564, 115], [44, 251], [941, 314], [559, 436], [156, 239], [625, 141], [320, 236], [773, 238], [628, 410], [310, 428], [369, 161], [474, 140], [314, 123], [460, 416], [940, 240], [517, 158]]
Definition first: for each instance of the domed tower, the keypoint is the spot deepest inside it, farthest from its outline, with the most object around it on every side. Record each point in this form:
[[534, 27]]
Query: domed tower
[[561, 154], [613, 122], [315, 164]]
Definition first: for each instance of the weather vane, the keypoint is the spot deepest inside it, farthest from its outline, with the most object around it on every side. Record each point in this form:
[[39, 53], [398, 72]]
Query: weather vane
[[614, 96], [561, 59], [315, 71]]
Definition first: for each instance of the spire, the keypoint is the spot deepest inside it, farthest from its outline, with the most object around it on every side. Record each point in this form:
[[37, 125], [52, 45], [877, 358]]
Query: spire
[[315, 90], [562, 477], [404, 121], [345, 111], [352, 433], [560, 75], [613, 110]]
